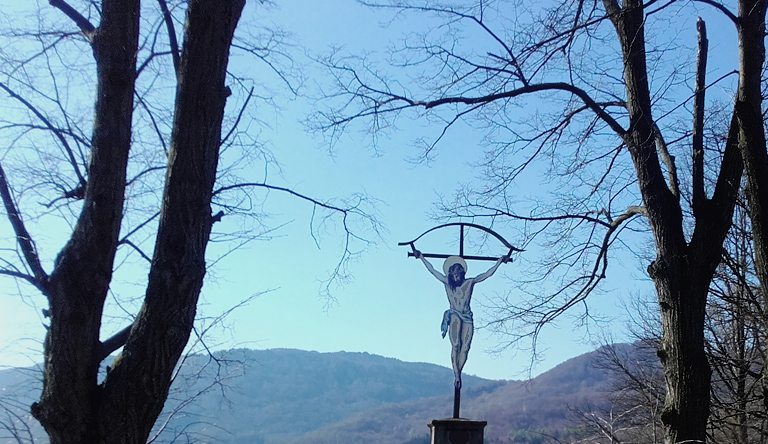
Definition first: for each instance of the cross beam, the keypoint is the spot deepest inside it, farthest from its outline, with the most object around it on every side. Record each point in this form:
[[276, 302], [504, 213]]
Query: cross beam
[[461, 226], [464, 256]]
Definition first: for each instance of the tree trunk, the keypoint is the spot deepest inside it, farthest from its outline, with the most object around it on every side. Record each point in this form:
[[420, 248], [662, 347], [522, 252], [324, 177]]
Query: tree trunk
[[682, 354], [682, 271], [74, 409], [752, 143], [137, 385], [78, 285]]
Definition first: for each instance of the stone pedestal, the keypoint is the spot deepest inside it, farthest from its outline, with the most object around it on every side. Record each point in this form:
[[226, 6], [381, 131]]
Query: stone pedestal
[[456, 431]]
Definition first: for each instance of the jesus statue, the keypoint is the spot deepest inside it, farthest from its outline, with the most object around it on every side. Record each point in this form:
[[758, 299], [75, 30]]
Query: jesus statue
[[457, 320]]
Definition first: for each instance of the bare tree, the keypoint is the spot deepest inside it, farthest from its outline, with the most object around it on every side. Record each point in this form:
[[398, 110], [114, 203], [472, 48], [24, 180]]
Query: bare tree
[[613, 81], [74, 407], [145, 166], [16, 423], [733, 332], [636, 397], [735, 339]]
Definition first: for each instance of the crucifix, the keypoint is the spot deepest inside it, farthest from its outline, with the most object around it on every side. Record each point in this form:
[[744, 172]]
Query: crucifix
[[457, 320]]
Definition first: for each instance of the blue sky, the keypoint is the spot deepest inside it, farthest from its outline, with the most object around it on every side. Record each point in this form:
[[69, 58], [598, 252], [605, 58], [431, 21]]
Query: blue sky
[[392, 307]]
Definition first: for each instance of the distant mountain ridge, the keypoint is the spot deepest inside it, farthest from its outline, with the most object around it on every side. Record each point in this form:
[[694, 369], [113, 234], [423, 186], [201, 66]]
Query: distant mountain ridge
[[511, 408], [285, 396]]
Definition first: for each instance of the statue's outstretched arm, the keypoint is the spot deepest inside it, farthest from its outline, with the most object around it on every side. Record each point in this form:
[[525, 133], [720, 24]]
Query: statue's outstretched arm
[[440, 277], [489, 273]]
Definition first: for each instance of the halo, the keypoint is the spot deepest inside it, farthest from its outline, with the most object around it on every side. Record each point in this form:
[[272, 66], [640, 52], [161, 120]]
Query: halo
[[451, 260]]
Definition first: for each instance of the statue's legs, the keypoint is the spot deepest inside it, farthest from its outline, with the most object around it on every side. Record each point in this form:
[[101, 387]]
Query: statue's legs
[[461, 339]]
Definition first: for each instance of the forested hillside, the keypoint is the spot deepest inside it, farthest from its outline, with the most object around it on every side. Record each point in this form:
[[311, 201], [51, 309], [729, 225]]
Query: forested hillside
[[291, 396]]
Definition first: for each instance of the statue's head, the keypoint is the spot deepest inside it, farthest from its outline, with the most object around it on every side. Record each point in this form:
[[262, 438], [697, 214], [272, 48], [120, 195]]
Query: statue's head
[[455, 269]]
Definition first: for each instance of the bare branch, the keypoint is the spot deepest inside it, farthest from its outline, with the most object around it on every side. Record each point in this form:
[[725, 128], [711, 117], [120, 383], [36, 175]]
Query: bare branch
[[172, 41], [546, 309], [600, 266], [347, 211], [262, 52], [17, 274], [151, 57], [140, 226], [697, 173], [22, 235], [56, 131], [239, 117], [283, 189], [587, 217], [559, 86], [138, 250], [85, 26], [669, 161], [153, 120], [113, 343], [719, 6]]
